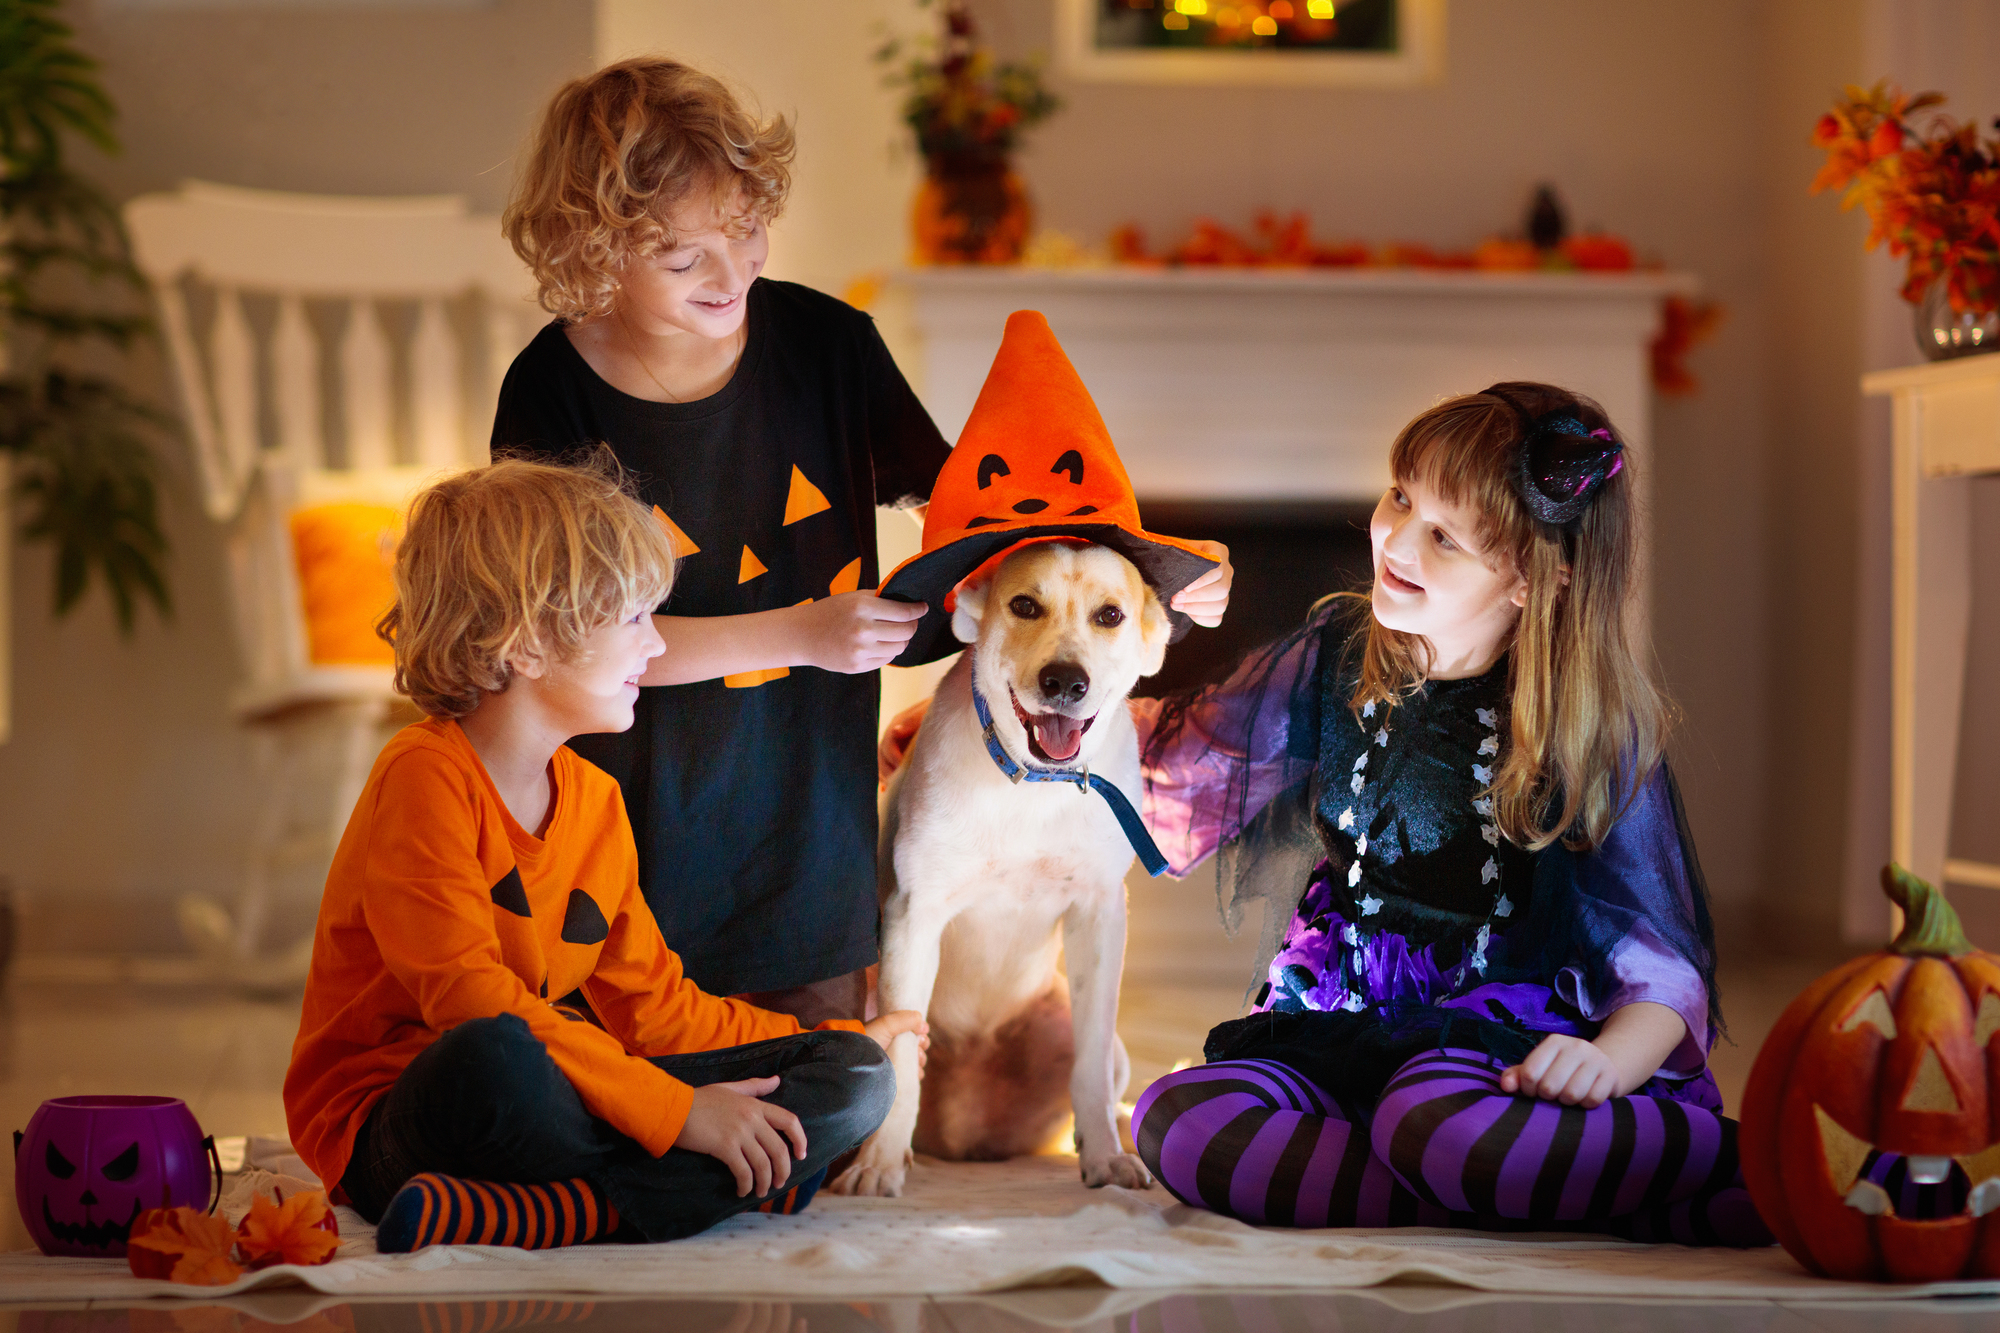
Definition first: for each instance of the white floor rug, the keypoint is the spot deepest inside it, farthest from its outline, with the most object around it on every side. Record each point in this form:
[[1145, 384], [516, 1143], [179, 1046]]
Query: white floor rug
[[966, 1227]]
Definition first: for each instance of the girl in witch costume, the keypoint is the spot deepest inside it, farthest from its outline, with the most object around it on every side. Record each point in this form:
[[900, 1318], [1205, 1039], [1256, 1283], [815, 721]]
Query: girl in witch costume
[[1494, 1000]]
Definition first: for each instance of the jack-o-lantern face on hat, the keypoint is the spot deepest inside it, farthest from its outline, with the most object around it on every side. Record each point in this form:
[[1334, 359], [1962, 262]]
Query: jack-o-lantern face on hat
[[1868, 1137], [1033, 462], [1039, 493]]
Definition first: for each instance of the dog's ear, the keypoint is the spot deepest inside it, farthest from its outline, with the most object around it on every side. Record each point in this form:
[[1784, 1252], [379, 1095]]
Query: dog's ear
[[1154, 631], [970, 609]]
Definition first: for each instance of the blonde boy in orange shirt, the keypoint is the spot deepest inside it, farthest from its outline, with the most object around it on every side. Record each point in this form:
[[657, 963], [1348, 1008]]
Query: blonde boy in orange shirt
[[488, 872]]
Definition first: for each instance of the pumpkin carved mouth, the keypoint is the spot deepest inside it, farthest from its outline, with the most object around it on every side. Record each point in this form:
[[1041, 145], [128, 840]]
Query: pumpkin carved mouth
[[87, 1232], [1885, 1184]]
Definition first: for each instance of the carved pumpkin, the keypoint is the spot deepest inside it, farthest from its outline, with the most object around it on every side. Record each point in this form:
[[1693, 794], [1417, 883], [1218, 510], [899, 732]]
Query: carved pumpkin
[[1868, 1136], [86, 1167]]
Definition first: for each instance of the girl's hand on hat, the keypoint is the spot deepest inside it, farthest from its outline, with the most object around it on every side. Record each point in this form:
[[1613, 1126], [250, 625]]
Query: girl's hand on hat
[[854, 631], [894, 747], [1204, 600]]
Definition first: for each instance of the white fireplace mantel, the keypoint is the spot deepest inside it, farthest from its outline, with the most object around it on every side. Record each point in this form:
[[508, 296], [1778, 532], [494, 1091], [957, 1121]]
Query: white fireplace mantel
[[1254, 384]]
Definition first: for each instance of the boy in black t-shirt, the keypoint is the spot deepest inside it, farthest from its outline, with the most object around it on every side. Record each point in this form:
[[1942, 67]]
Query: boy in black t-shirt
[[765, 422]]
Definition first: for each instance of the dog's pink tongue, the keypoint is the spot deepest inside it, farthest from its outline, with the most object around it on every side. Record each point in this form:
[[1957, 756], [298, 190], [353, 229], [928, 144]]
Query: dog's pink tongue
[[1060, 737]]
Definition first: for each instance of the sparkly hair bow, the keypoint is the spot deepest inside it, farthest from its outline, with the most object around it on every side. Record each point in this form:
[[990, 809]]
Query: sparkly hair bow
[[1560, 464]]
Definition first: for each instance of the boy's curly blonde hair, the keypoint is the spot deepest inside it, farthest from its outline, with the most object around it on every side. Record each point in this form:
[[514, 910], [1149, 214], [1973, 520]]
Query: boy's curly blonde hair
[[617, 152], [518, 557]]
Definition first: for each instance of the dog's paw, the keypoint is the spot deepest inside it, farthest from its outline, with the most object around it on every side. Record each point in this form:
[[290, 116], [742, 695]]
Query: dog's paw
[[1123, 1169], [874, 1174]]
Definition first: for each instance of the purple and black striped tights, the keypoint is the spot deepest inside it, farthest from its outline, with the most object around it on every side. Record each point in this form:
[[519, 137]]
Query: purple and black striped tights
[[1445, 1147]]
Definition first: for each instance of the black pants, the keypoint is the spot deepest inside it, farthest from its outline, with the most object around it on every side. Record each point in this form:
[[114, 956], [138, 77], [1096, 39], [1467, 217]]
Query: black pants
[[485, 1102]]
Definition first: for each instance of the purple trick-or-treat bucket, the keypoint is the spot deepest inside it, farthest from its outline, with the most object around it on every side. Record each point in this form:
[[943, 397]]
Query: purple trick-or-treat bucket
[[86, 1167]]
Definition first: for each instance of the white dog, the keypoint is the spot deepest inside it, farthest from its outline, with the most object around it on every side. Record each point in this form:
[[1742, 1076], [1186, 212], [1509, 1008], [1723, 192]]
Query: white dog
[[979, 870]]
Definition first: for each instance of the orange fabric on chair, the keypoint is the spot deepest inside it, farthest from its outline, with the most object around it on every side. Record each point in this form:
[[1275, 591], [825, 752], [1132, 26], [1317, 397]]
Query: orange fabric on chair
[[346, 553]]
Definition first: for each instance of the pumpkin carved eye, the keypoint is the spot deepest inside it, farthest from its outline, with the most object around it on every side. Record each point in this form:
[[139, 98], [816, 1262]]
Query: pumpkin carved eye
[[124, 1165], [991, 466], [1072, 463], [1873, 1012], [1987, 1021], [59, 1166]]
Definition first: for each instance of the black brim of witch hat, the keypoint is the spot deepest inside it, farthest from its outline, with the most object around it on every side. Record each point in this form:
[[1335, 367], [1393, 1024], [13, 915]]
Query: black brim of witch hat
[[930, 577]]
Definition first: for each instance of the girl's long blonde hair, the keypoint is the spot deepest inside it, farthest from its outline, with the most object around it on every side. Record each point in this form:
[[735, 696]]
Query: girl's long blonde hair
[[1589, 724]]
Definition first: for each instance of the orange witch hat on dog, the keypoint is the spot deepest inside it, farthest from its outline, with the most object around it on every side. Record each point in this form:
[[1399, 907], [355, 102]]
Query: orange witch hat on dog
[[1034, 463]]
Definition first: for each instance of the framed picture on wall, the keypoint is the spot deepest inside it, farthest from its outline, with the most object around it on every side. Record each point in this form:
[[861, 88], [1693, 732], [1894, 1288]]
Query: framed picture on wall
[[1356, 43]]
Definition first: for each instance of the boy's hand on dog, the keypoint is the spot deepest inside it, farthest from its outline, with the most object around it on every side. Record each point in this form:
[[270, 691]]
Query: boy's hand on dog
[[1204, 600], [894, 747], [890, 1026], [754, 1139], [855, 631]]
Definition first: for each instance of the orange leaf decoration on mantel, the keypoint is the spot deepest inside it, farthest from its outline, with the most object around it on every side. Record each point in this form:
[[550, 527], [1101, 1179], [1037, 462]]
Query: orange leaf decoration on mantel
[[298, 1230], [183, 1245]]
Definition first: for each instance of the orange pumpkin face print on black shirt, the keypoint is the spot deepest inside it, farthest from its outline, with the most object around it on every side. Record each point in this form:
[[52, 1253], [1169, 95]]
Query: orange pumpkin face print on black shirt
[[753, 798]]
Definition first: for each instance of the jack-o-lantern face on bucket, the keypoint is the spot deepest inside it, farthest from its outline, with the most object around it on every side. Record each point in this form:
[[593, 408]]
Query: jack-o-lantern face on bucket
[[1868, 1137], [86, 1167]]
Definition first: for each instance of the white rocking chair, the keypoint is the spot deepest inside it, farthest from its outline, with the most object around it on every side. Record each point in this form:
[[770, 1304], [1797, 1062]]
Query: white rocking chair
[[299, 388]]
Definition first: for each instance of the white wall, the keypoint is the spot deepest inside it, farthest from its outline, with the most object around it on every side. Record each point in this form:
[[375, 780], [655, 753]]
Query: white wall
[[1682, 126], [124, 783], [1952, 46], [809, 62]]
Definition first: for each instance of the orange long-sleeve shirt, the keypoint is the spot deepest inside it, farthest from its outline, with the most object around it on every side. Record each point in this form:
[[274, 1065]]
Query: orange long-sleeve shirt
[[441, 908]]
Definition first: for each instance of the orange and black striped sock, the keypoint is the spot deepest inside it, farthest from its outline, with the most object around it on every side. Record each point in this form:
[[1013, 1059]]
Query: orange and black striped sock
[[434, 1209]]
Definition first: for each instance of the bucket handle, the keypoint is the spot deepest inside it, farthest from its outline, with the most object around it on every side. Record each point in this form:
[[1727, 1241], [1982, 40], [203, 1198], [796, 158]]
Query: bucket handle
[[215, 1161]]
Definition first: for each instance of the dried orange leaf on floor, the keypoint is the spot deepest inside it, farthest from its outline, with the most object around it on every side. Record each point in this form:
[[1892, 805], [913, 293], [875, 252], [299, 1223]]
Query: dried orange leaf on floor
[[183, 1245], [298, 1230]]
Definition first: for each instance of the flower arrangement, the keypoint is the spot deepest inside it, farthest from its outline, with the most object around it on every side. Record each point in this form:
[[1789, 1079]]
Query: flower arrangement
[[1932, 192], [956, 98], [968, 112]]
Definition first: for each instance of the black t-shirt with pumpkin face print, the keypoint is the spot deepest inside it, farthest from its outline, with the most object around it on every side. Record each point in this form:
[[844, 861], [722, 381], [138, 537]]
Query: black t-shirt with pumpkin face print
[[752, 798]]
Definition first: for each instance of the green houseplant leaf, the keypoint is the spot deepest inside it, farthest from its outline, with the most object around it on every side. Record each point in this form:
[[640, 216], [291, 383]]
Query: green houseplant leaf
[[83, 446]]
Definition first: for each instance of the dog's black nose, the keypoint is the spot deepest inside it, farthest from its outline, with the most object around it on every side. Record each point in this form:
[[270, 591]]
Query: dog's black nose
[[1064, 683]]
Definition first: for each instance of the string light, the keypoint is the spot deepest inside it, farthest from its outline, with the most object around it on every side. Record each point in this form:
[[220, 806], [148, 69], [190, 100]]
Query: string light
[[1195, 8], [1319, 9], [1281, 9], [1174, 22], [1264, 26]]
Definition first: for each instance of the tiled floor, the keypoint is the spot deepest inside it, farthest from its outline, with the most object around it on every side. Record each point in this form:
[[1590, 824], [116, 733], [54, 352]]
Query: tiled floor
[[1097, 1310], [225, 1055]]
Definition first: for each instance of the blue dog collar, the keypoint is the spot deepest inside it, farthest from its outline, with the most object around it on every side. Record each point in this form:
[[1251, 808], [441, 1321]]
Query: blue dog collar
[[1081, 778]]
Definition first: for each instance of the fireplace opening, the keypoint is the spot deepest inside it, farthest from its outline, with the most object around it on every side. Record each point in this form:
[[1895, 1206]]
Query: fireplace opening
[[1288, 555]]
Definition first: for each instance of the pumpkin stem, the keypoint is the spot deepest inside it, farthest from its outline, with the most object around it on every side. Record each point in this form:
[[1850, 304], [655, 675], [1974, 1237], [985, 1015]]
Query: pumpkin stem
[[1931, 928]]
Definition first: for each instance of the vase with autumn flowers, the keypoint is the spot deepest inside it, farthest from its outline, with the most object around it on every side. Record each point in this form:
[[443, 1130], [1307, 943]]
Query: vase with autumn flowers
[[968, 112], [1932, 194]]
